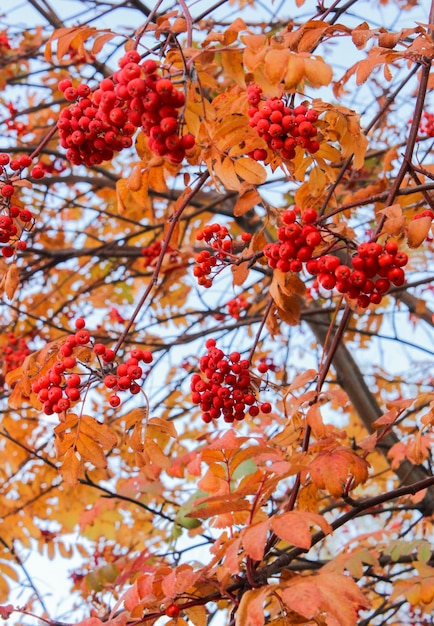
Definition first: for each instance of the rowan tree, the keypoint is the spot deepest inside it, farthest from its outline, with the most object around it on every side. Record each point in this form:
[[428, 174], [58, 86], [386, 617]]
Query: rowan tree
[[216, 331]]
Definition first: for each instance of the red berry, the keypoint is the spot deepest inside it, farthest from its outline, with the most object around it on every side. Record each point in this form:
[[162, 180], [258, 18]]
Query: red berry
[[110, 381], [8, 252], [173, 610], [309, 216], [73, 393], [188, 141], [149, 66], [109, 356], [80, 323], [114, 401], [265, 407], [37, 172], [164, 86], [64, 84], [82, 337], [7, 190]]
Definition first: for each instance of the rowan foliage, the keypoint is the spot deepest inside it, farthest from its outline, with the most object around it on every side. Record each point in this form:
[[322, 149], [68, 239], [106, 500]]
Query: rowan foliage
[[217, 310]]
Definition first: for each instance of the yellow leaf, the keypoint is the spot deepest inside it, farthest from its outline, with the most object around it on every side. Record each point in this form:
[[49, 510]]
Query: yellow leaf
[[90, 450], [275, 64], [317, 72], [250, 170], [232, 62], [12, 280], [294, 71], [71, 467], [226, 172], [197, 615]]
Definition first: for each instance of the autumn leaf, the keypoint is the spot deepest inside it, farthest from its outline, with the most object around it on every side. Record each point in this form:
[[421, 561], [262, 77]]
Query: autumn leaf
[[294, 527], [333, 594], [251, 609], [418, 230], [333, 468], [254, 538]]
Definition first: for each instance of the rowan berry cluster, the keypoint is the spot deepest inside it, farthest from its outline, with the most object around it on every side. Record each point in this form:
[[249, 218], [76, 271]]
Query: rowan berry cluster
[[103, 122], [267, 364], [283, 128], [150, 253], [374, 269], [298, 239], [426, 126], [14, 221], [225, 387], [65, 381], [13, 353], [207, 264], [236, 306]]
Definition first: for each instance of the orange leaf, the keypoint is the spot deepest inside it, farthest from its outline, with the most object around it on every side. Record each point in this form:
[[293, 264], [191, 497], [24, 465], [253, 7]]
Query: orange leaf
[[317, 72], [254, 538], [246, 201], [71, 467], [418, 230], [325, 593], [11, 280], [251, 609], [197, 615], [275, 64], [333, 468], [293, 527]]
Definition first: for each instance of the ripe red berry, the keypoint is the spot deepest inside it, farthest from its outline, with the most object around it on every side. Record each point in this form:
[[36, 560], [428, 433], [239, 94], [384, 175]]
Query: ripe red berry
[[173, 610], [114, 401], [37, 172], [265, 407], [82, 337], [73, 393], [109, 355], [149, 66], [7, 190], [79, 323], [8, 252], [164, 86]]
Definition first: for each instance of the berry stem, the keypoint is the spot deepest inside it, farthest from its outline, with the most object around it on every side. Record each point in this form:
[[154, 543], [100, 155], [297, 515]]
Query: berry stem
[[261, 326], [412, 138], [164, 246]]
